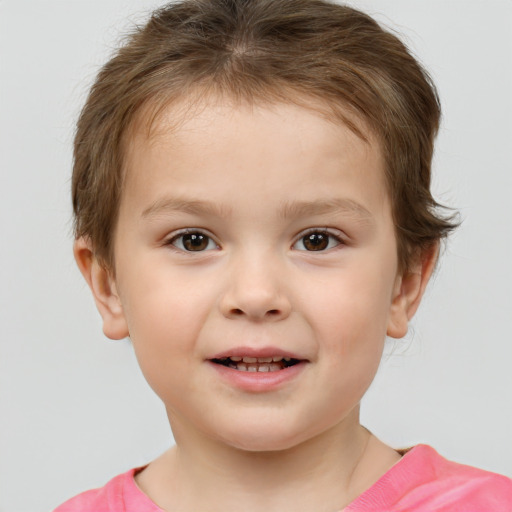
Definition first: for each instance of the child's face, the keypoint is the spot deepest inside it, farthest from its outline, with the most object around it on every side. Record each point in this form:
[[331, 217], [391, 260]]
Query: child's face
[[262, 233]]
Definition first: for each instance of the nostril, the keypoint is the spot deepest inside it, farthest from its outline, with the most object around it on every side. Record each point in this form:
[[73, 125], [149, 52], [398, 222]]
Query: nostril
[[269, 313]]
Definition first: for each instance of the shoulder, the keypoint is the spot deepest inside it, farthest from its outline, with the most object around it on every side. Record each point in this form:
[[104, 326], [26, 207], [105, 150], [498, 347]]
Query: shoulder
[[120, 494], [451, 487], [424, 481], [475, 488], [103, 499]]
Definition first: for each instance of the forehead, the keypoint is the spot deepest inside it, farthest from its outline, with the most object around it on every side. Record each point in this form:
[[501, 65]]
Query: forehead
[[198, 140], [160, 117]]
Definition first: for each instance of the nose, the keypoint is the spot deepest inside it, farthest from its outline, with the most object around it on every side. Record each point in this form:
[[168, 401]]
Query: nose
[[255, 291]]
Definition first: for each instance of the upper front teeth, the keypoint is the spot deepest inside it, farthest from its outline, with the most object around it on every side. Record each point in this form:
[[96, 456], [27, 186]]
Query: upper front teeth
[[275, 359]]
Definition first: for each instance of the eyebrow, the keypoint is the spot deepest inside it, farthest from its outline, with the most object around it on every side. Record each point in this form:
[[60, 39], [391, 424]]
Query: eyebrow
[[326, 206], [290, 209], [193, 206]]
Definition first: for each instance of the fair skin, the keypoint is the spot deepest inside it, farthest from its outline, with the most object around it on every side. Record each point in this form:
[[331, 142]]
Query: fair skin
[[259, 232]]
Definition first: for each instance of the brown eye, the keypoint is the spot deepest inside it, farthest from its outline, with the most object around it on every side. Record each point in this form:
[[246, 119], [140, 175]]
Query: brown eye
[[193, 242], [316, 241], [320, 240]]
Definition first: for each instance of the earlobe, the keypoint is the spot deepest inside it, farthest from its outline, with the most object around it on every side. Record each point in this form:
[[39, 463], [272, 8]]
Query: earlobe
[[409, 290], [103, 288]]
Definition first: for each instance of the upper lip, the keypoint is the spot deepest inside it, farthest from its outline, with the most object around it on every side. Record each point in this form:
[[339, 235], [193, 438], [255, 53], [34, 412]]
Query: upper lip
[[256, 352]]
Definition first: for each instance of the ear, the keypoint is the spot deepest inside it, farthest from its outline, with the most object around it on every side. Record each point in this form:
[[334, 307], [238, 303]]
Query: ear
[[103, 288], [408, 292]]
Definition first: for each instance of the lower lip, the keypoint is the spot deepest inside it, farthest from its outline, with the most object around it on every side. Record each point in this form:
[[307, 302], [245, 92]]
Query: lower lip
[[258, 382]]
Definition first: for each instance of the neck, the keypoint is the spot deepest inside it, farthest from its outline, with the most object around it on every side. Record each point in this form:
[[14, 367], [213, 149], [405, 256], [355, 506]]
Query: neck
[[321, 474]]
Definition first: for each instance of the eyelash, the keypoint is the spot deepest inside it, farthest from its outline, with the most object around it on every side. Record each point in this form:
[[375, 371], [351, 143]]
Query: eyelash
[[326, 237]]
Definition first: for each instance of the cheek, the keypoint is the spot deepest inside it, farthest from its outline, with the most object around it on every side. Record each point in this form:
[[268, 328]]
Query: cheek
[[164, 323], [161, 302], [350, 308]]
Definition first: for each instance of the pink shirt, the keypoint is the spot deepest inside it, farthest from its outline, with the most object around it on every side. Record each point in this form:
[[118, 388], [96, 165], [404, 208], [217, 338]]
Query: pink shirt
[[421, 481]]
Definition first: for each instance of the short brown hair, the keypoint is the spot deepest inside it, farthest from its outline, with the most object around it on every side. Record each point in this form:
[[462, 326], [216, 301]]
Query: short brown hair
[[255, 50]]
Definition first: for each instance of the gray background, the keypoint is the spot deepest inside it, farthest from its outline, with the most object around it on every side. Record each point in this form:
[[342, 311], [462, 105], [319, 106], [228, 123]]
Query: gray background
[[74, 408]]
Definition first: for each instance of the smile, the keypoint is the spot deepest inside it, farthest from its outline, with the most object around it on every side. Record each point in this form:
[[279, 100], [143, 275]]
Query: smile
[[256, 364]]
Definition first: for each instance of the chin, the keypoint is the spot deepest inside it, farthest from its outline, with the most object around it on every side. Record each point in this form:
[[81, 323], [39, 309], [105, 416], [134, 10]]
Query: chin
[[259, 439]]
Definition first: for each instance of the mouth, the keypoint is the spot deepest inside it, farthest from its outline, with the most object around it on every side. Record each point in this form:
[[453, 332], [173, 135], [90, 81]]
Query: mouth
[[256, 364]]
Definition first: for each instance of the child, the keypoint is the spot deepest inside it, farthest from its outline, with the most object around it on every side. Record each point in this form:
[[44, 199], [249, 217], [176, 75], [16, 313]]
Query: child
[[251, 191]]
